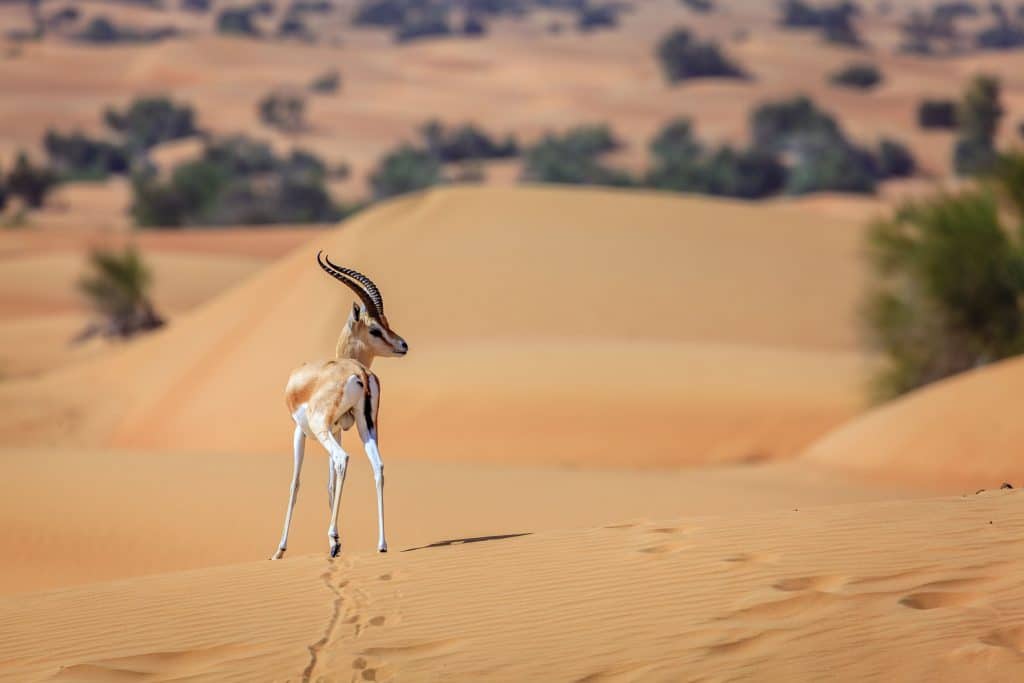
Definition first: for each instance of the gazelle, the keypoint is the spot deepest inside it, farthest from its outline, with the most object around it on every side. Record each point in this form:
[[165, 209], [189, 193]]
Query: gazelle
[[327, 397]]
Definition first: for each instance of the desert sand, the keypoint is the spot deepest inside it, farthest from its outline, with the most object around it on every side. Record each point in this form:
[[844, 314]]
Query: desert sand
[[740, 597]]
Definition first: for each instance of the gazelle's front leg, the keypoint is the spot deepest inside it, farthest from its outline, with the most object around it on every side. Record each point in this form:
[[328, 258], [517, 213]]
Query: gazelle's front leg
[[366, 421], [299, 448]]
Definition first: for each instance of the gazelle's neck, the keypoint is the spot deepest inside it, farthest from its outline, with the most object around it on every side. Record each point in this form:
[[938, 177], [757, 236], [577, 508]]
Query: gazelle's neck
[[349, 346]]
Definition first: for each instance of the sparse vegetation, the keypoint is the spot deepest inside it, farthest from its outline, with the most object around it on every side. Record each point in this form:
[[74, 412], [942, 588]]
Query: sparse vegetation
[[237, 180], [30, 182], [949, 283], [149, 121], [102, 30], [196, 5], [78, 157], [701, 6], [862, 76], [894, 160], [682, 57], [834, 21], [1006, 33], [406, 169], [238, 21], [117, 285], [327, 83], [429, 24], [937, 114], [978, 118], [574, 158], [595, 17], [283, 110], [465, 142]]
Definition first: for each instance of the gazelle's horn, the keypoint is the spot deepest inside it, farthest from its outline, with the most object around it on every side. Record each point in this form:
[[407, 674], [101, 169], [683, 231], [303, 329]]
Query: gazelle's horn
[[340, 274], [371, 288]]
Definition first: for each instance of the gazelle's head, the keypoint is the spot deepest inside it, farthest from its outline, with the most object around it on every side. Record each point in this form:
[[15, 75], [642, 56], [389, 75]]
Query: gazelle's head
[[367, 330]]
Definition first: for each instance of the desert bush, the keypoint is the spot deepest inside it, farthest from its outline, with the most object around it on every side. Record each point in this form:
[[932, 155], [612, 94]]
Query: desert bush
[[825, 162], [380, 13], [292, 26], [682, 57], [406, 169], [283, 110], [702, 6], [894, 160], [102, 30], [834, 21], [117, 286], [474, 26], [573, 157], [594, 17], [432, 24], [149, 121], [311, 6], [238, 21], [949, 284], [326, 83], [863, 76], [937, 114], [799, 14], [978, 116], [773, 124], [465, 142], [196, 5], [30, 182], [65, 15], [237, 180], [77, 156]]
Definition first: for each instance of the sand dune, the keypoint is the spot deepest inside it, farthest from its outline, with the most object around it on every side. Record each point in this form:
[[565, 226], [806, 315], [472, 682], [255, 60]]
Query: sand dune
[[123, 513], [845, 592], [961, 432], [578, 326]]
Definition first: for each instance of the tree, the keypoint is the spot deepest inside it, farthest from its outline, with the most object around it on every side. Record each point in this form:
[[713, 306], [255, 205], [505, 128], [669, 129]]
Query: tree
[[149, 121], [403, 170], [117, 285], [948, 294], [863, 76], [682, 57], [978, 120], [286, 111], [31, 183], [936, 114]]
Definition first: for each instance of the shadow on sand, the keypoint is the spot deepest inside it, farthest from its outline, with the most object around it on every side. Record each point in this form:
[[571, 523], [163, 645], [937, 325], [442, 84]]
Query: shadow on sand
[[462, 541]]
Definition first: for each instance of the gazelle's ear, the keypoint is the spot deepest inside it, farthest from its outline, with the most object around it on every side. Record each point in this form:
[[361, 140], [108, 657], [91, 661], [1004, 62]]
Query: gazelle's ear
[[355, 312]]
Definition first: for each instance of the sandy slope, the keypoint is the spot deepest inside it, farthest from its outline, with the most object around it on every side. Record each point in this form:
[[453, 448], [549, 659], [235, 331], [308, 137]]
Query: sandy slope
[[846, 592], [123, 514], [964, 431], [546, 325]]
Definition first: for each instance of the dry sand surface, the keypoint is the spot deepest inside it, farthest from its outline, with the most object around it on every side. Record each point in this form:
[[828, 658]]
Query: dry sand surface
[[965, 431], [566, 326], [912, 590]]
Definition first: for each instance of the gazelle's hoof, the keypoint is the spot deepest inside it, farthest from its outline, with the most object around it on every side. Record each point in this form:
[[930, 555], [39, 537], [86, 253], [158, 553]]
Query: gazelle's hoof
[[278, 555], [382, 550], [335, 549]]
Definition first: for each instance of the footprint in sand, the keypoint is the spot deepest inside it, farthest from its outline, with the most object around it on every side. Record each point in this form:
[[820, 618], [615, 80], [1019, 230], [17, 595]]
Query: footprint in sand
[[753, 558], [937, 599], [1008, 638], [827, 582]]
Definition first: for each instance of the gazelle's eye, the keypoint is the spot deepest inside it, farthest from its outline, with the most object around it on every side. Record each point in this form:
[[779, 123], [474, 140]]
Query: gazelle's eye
[[376, 332]]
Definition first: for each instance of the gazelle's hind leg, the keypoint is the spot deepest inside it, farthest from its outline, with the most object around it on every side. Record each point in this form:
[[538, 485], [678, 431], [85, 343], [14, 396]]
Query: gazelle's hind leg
[[331, 478], [299, 449], [321, 421], [366, 420]]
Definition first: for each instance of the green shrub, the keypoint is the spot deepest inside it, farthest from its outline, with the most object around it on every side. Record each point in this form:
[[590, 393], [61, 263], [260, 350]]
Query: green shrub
[[863, 76], [76, 156], [380, 13], [102, 30], [701, 6], [238, 21], [328, 82], [829, 163], [474, 26], [773, 124], [465, 142], [286, 111], [406, 169], [949, 284], [594, 17], [117, 285], [432, 24], [236, 181], [149, 121], [937, 114], [31, 183], [894, 160], [683, 57], [978, 118], [574, 158]]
